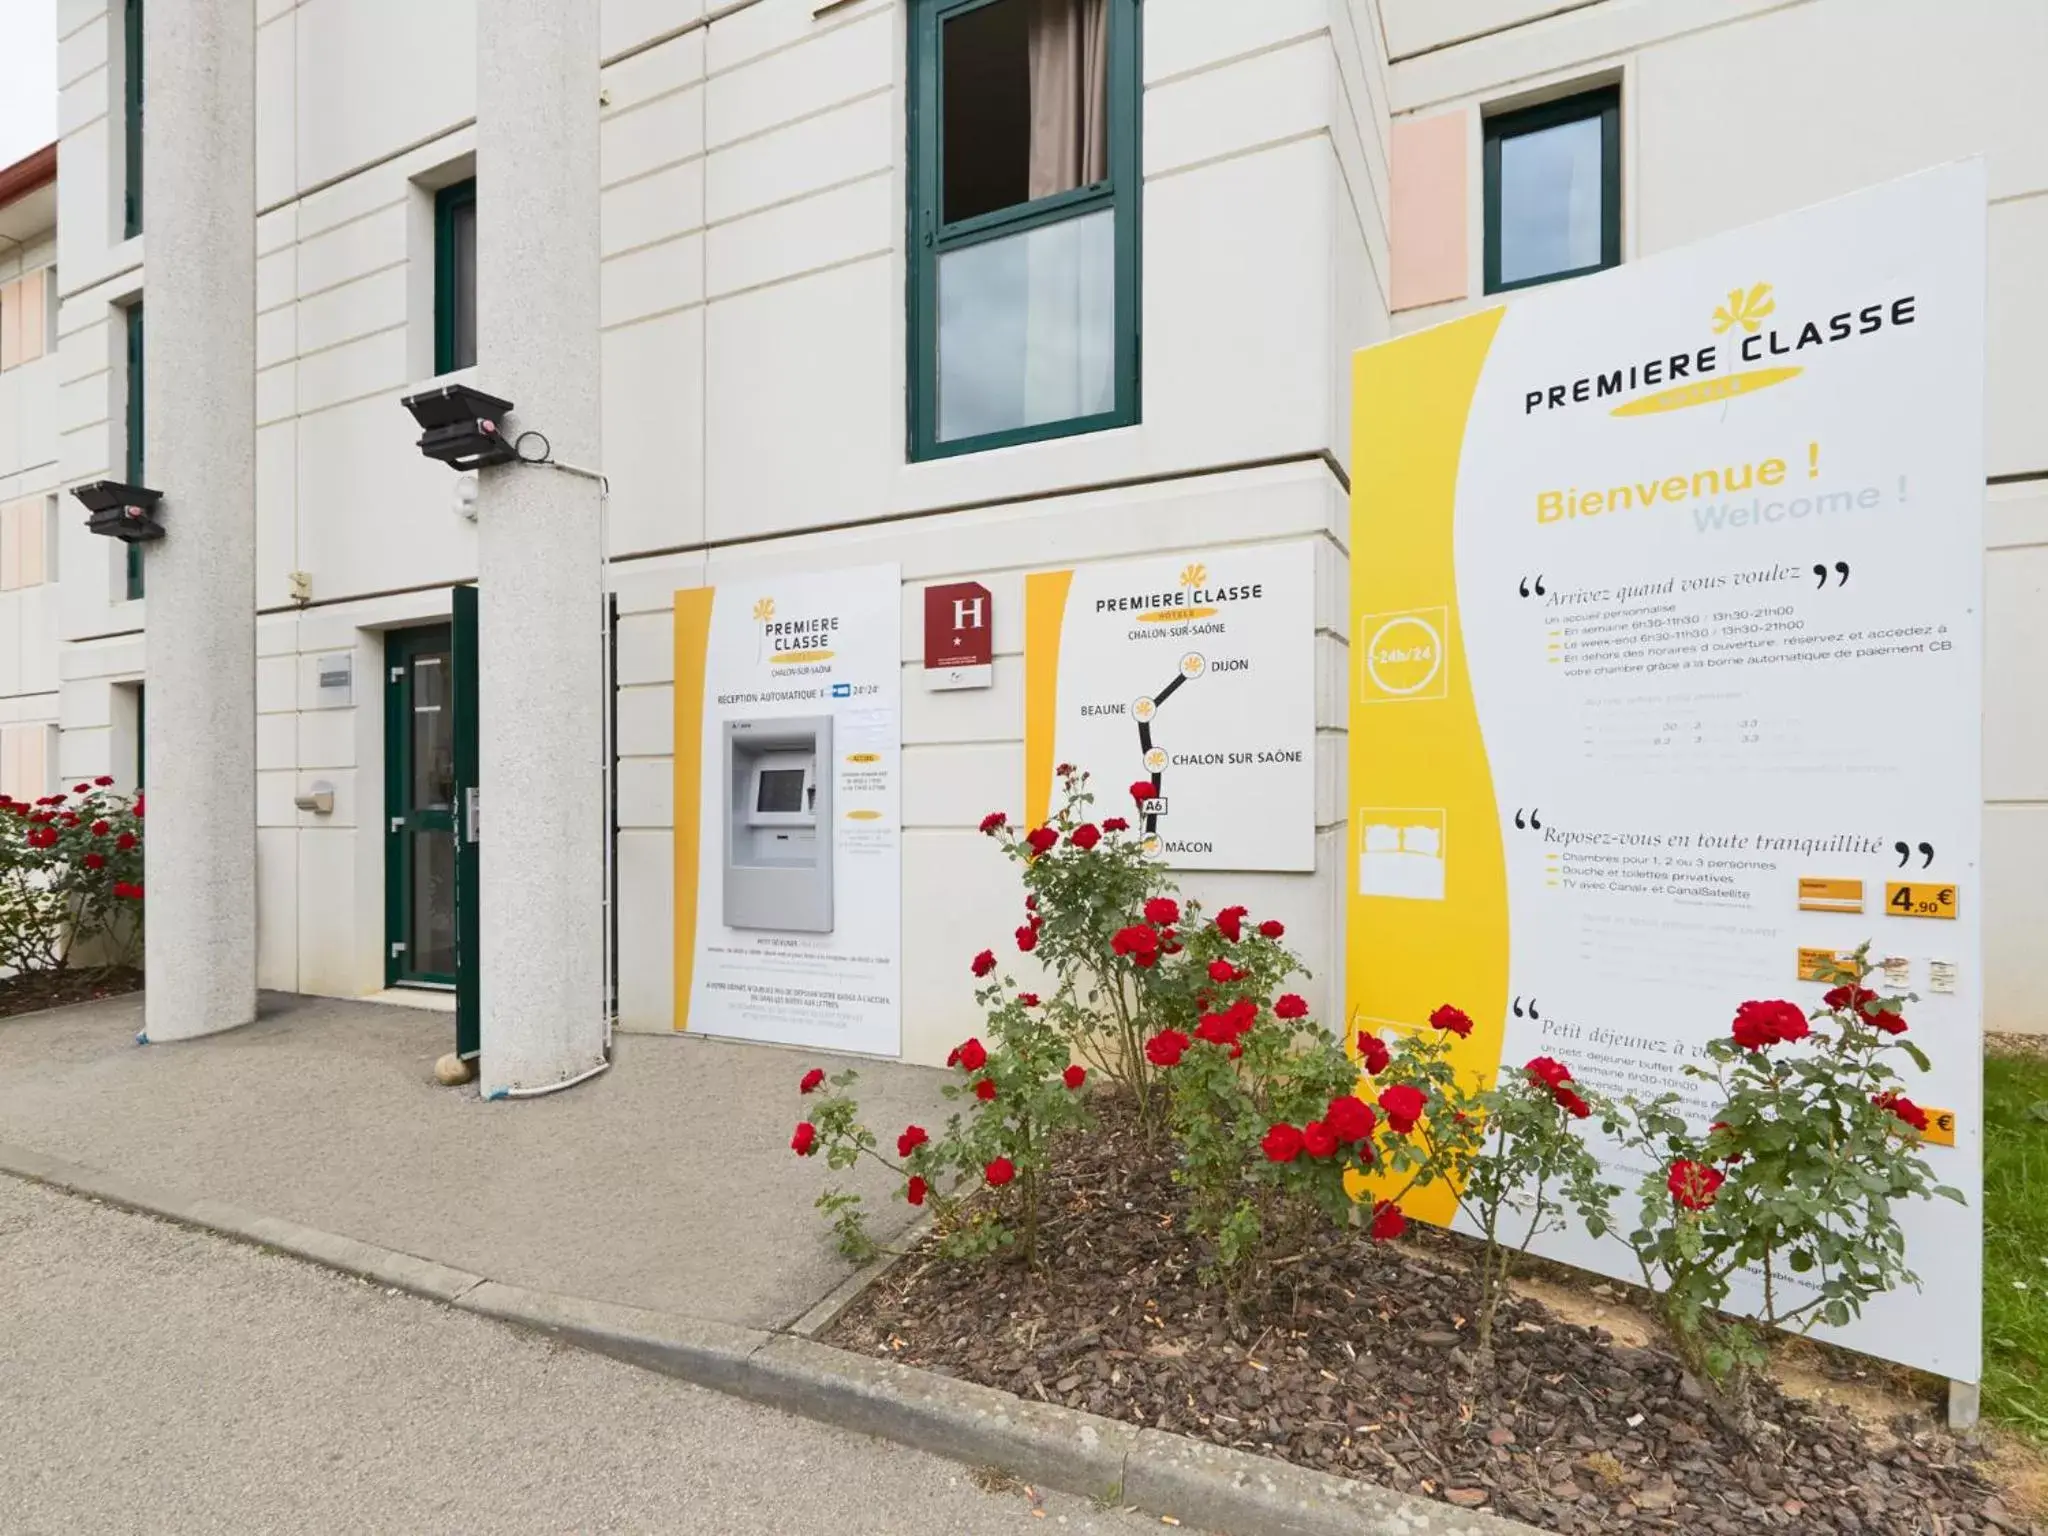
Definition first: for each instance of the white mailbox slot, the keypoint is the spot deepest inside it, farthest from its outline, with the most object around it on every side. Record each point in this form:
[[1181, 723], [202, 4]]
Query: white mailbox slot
[[778, 824]]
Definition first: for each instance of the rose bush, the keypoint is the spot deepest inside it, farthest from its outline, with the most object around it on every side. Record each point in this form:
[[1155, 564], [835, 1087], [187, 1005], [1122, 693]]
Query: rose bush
[[1021, 1090], [70, 878], [1799, 1179]]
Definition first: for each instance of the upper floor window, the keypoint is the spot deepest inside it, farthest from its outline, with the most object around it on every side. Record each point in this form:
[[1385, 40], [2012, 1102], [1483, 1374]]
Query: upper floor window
[[25, 329], [455, 277], [25, 528], [136, 470], [1553, 190], [1024, 221], [131, 102]]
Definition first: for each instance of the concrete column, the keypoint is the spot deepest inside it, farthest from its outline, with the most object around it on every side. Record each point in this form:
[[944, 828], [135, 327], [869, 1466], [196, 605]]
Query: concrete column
[[540, 578], [199, 212]]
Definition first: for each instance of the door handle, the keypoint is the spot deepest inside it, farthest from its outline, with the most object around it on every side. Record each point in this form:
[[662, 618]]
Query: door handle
[[398, 823]]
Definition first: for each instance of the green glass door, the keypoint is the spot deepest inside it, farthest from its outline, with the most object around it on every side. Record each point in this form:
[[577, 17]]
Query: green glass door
[[419, 802], [468, 929]]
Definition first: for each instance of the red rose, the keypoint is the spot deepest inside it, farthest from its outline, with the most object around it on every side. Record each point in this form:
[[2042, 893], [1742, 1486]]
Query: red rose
[[1066, 770], [1403, 1105], [138, 805], [1289, 1005], [1271, 928], [1867, 1007], [100, 829], [1223, 970], [805, 1139], [811, 1079], [125, 841], [994, 822], [1075, 1075], [1215, 1029], [971, 1056], [1454, 1020], [1845, 997], [1570, 1102], [70, 819], [913, 1137], [1027, 999], [1168, 943], [1350, 1118], [1115, 824], [1890, 1023], [1137, 943], [1000, 1172], [1243, 1014], [95, 861], [1373, 1052], [1758, 1025], [1027, 937], [1165, 1048], [1318, 1140], [1162, 911], [1042, 839], [104, 780], [984, 962], [1229, 922], [1692, 1184], [1387, 1222], [1548, 1071], [984, 1088], [1281, 1144], [916, 1190], [1085, 836], [1909, 1112], [81, 789], [1142, 791]]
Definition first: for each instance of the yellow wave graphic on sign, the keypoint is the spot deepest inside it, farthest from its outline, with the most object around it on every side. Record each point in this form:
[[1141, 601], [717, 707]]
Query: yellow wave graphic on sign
[[1174, 615], [1707, 391], [790, 657], [863, 815]]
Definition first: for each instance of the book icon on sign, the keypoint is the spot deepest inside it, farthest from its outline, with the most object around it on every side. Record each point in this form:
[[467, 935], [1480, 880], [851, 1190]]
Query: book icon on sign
[[1401, 852]]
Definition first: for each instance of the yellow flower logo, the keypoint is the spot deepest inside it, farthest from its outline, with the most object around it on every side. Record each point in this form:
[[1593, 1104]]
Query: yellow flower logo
[[1745, 309], [764, 609], [1194, 575]]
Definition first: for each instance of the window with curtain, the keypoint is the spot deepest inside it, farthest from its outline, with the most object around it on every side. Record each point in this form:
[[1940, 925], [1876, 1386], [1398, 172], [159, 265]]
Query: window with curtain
[[1024, 221], [1553, 190]]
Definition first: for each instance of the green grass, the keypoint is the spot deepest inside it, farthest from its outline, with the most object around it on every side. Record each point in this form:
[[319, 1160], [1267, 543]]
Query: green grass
[[2016, 1241]]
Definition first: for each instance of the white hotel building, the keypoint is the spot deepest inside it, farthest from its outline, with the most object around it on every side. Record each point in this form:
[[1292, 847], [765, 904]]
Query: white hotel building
[[1248, 190]]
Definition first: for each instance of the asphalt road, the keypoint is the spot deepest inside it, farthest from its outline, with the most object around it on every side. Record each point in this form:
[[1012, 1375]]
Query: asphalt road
[[156, 1379]]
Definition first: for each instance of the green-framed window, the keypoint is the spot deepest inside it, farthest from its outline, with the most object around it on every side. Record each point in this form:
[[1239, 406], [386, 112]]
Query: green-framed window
[[1024, 221], [1553, 190], [455, 277], [131, 94], [136, 470]]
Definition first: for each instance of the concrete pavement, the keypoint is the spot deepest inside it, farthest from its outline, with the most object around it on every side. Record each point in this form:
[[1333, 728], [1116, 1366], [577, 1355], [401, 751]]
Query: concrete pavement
[[154, 1378], [667, 1183]]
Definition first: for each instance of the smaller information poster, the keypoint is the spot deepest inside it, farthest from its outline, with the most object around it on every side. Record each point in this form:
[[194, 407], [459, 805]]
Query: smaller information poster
[[1194, 672], [788, 817]]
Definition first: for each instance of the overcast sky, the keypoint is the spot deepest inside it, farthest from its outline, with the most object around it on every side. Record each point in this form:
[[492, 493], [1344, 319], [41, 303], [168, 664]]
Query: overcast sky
[[28, 77]]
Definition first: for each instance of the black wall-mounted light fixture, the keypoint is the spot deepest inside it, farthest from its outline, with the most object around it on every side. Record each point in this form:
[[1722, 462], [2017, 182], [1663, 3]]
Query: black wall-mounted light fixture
[[461, 427], [124, 512]]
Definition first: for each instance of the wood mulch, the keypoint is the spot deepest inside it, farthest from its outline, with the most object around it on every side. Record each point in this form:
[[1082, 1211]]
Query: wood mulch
[[1360, 1365], [54, 989]]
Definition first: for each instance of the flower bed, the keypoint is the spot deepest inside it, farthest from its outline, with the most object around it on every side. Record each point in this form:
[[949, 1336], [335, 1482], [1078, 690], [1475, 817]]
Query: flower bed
[[1174, 1180], [1361, 1364]]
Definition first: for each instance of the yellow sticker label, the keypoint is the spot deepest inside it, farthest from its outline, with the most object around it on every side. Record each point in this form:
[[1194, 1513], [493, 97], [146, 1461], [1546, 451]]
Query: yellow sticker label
[[1908, 898], [863, 757], [1819, 895], [1819, 964], [1941, 1127], [863, 815]]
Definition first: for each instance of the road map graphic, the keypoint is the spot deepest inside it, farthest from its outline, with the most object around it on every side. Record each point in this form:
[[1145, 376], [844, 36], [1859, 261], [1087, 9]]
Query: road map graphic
[[1144, 711]]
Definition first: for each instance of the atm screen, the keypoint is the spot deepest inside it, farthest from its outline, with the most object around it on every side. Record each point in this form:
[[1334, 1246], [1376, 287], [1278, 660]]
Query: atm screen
[[780, 792]]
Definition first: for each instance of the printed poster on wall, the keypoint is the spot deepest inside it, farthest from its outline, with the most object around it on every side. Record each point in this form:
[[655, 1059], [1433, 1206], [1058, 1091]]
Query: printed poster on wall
[[1667, 674], [1195, 671], [788, 856]]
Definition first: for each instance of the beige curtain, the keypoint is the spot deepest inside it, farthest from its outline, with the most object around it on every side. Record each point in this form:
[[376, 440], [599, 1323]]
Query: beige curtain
[[1069, 47]]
